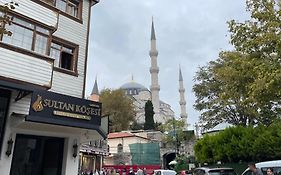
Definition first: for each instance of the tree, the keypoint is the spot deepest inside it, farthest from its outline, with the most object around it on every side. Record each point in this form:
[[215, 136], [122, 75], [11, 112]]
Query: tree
[[136, 126], [174, 130], [241, 144], [5, 19], [119, 107], [149, 113], [243, 86]]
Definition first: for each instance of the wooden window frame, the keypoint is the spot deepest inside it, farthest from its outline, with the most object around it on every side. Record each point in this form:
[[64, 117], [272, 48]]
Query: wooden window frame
[[50, 39], [34, 34], [27, 51], [70, 45], [64, 13]]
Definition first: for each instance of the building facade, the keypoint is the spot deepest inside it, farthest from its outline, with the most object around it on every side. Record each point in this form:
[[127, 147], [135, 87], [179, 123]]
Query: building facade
[[140, 95], [119, 147], [44, 118]]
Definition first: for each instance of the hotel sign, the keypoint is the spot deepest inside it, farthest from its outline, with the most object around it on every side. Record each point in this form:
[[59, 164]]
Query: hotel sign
[[53, 108]]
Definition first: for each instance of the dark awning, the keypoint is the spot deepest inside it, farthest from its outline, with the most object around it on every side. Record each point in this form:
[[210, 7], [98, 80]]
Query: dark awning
[[20, 86]]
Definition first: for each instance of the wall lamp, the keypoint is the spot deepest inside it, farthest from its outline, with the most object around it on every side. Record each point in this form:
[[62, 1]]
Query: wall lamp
[[75, 149], [10, 147]]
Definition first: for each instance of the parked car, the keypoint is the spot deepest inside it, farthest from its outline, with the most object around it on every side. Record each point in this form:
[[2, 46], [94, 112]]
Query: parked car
[[275, 164], [164, 172], [214, 171]]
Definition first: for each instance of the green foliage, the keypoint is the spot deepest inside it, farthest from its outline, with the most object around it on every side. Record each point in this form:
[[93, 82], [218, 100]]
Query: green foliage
[[149, 113], [136, 126], [243, 87], [5, 19], [241, 144], [182, 163], [174, 130], [120, 108]]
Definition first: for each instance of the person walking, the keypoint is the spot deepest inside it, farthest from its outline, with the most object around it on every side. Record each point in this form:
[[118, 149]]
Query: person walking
[[139, 172], [254, 169], [131, 172]]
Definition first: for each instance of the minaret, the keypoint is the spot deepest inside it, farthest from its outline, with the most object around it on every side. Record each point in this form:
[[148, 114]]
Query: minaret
[[154, 70], [95, 96], [183, 114]]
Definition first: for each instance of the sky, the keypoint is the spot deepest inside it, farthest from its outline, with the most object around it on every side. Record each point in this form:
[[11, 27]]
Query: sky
[[189, 33]]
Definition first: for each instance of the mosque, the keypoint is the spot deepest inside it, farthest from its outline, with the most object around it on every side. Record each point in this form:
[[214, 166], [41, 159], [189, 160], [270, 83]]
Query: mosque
[[140, 94]]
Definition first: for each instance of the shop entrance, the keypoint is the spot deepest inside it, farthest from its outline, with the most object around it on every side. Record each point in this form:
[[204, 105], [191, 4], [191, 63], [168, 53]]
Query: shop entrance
[[37, 155]]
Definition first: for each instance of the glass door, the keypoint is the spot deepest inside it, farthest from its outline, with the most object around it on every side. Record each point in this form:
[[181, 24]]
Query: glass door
[[4, 104], [37, 155]]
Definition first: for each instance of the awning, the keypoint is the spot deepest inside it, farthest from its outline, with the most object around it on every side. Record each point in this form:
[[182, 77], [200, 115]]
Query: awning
[[20, 86]]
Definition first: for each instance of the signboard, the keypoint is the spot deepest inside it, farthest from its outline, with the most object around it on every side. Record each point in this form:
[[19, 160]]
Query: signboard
[[53, 108]]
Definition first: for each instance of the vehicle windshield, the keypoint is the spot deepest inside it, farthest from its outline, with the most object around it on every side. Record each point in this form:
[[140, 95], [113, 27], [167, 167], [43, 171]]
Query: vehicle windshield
[[222, 172]]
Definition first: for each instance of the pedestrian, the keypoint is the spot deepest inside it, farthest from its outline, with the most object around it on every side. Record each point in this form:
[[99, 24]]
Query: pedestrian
[[144, 171], [254, 169], [101, 172], [113, 172], [139, 172], [124, 171], [269, 171], [131, 172], [117, 172]]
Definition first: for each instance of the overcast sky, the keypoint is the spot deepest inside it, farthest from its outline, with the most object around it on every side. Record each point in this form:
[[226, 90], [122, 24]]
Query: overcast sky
[[188, 32]]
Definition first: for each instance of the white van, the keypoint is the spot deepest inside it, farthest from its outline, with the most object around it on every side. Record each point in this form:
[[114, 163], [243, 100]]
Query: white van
[[164, 172], [275, 164]]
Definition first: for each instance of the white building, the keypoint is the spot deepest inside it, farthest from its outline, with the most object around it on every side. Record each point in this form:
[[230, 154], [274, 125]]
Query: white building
[[119, 147], [44, 117], [140, 95]]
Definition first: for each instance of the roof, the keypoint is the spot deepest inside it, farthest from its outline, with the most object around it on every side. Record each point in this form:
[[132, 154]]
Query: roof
[[95, 88], [133, 85], [116, 135], [152, 31], [180, 76], [219, 127]]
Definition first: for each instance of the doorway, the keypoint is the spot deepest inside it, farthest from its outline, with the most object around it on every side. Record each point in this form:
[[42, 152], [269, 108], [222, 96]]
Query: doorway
[[4, 105], [37, 155]]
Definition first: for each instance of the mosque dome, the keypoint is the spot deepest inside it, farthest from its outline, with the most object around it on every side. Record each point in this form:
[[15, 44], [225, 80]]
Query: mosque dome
[[133, 88]]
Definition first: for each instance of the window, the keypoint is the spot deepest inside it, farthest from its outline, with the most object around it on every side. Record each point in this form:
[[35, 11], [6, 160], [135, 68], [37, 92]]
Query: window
[[36, 39], [64, 55], [71, 7], [119, 148], [27, 36]]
